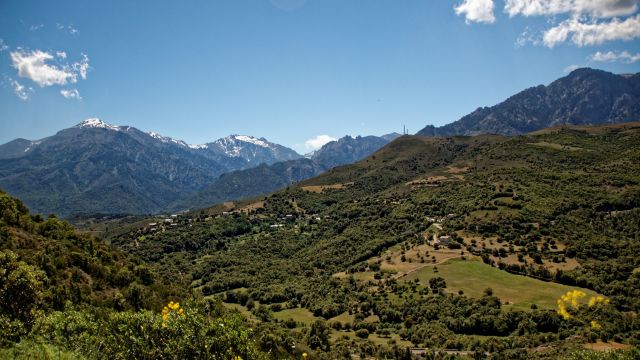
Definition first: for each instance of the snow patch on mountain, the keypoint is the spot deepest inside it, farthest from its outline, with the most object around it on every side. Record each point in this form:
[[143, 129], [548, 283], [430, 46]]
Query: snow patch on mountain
[[32, 145], [233, 145], [97, 123], [251, 140], [169, 140]]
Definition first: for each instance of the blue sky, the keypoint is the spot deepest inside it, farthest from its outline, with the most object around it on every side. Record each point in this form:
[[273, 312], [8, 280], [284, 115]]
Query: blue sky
[[291, 70]]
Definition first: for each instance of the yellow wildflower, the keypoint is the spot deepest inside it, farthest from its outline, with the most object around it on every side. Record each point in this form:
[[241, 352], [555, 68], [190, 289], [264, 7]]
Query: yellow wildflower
[[167, 310], [595, 325], [597, 300]]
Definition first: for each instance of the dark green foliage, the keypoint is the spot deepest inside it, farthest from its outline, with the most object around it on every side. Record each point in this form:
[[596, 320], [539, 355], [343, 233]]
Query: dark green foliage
[[73, 267], [203, 332], [527, 193]]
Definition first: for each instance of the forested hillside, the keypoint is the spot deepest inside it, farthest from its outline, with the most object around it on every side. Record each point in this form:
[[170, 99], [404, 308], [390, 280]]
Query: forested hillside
[[67, 295], [422, 244]]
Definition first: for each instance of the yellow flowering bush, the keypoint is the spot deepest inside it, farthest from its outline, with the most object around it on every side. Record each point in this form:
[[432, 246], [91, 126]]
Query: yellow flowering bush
[[171, 308], [570, 298], [597, 300]]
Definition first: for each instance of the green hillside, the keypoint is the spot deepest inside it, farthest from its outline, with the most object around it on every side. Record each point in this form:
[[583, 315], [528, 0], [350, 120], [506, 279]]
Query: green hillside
[[561, 206], [67, 295]]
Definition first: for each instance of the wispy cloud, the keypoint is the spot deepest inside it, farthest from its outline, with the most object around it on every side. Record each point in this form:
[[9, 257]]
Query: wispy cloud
[[593, 8], [68, 28], [36, 66], [582, 22], [607, 57], [36, 27], [71, 94], [476, 11], [21, 91], [584, 33], [47, 69], [615, 56], [3, 45], [528, 36]]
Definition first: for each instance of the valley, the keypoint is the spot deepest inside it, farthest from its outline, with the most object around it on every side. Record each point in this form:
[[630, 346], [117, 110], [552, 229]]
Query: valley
[[355, 246], [401, 247], [320, 180]]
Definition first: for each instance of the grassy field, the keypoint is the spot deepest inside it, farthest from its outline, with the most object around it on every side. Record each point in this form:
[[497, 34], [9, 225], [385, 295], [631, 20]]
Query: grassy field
[[346, 318], [242, 310], [473, 277], [299, 315], [374, 338]]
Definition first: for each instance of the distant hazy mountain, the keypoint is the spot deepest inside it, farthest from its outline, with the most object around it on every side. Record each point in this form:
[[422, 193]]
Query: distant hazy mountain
[[255, 151], [16, 148], [347, 150], [267, 178], [96, 167], [584, 97]]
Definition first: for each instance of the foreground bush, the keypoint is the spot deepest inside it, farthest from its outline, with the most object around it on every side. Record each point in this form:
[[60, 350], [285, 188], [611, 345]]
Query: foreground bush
[[200, 331]]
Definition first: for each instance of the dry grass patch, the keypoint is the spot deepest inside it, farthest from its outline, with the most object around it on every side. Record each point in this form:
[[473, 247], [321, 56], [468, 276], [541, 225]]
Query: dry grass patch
[[606, 346], [555, 146], [321, 188], [457, 170], [253, 206], [568, 264]]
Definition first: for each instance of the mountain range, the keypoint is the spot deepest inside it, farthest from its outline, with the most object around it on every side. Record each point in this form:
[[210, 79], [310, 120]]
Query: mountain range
[[584, 97], [267, 178], [96, 167]]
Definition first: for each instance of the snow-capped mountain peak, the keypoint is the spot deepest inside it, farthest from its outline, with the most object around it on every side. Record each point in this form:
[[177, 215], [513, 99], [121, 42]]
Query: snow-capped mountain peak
[[97, 123], [234, 145], [169, 140], [251, 140]]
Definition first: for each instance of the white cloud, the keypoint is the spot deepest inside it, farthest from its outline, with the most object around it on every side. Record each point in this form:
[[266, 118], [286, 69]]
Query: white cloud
[[71, 94], [20, 90], [82, 67], [476, 11], [570, 68], [61, 54], [584, 33], [594, 8], [317, 142], [3, 46], [612, 56], [34, 66], [527, 37]]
